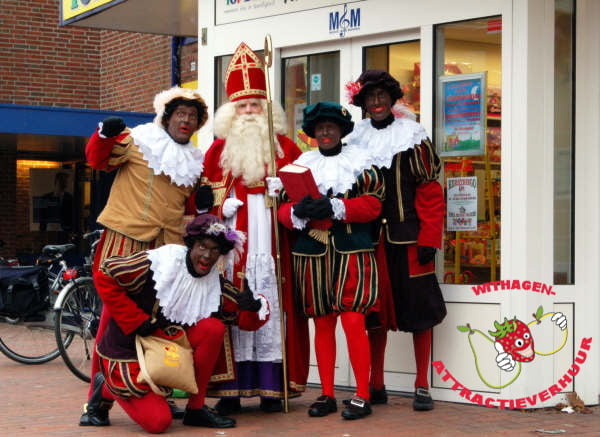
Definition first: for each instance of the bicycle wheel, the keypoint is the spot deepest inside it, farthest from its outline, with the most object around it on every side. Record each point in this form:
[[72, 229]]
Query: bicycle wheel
[[77, 321], [29, 340]]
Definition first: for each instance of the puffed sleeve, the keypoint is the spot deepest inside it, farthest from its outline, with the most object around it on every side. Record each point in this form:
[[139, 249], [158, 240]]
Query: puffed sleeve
[[366, 206], [429, 196], [108, 153], [115, 280]]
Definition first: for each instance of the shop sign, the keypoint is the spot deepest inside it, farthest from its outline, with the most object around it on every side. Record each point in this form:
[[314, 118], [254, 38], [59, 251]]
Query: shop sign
[[516, 341], [461, 114], [73, 10], [231, 11], [342, 22], [462, 204]]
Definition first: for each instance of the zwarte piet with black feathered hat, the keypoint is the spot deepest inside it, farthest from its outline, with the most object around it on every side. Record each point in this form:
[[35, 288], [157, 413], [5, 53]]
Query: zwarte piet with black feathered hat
[[374, 79]]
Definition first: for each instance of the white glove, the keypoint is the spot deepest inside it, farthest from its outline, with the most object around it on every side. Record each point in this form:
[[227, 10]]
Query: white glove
[[560, 319], [230, 206], [504, 360], [274, 186]]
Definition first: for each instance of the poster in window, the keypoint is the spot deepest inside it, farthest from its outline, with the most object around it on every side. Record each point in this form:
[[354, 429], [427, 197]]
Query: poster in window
[[462, 204], [462, 108], [51, 199]]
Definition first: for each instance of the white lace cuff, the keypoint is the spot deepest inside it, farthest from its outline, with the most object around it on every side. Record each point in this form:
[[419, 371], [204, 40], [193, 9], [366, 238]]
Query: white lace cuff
[[100, 124], [297, 222], [339, 209], [264, 310]]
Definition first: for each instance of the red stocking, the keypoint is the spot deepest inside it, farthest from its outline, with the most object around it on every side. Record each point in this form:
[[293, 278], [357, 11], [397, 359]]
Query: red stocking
[[151, 412], [358, 349], [325, 351], [422, 345], [378, 342], [206, 337]]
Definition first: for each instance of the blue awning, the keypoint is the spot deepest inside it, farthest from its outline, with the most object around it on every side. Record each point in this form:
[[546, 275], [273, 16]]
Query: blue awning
[[51, 120]]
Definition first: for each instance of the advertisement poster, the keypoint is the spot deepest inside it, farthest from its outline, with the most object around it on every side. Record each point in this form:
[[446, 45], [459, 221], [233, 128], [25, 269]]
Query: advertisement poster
[[462, 204], [462, 109]]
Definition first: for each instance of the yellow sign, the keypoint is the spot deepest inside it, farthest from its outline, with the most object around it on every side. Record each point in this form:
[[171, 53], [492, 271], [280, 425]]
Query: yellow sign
[[71, 10]]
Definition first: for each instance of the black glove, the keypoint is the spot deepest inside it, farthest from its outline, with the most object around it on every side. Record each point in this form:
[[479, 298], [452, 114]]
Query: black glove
[[246, 301], [320, 208], [204, 198], [301, 208], [112, 126], [146, 328], [425, 254]]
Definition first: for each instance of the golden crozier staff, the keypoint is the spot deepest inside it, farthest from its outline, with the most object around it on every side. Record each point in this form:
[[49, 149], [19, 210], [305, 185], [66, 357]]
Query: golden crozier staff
[[268, 60]]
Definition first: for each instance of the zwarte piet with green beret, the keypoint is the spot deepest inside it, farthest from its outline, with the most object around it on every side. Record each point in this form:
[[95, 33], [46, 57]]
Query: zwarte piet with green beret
[[326, 111]]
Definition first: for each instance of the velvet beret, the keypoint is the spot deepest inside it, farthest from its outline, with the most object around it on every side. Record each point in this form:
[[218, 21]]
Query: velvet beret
[[326, 111]]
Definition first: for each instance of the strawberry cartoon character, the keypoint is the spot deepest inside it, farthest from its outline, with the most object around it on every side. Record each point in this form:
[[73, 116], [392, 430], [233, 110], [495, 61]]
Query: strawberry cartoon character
[[513, 342]]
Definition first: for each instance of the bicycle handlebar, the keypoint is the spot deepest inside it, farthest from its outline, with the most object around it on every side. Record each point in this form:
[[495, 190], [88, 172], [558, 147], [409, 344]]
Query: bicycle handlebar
[[93, 235]]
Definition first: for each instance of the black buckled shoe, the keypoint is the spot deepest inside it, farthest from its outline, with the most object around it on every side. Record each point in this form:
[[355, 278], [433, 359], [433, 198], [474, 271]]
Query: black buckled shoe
[[207, 417], [269, 405], [227, 406], [357, 408], [423, 400], [95, 412], [378, 396], [176, 412], [324, 405]]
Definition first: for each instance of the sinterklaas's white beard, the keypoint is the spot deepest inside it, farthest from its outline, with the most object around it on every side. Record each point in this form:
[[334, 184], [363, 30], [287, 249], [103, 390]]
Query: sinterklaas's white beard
[[247, 151]]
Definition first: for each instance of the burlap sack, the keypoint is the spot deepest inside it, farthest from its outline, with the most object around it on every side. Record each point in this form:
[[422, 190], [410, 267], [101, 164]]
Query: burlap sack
[[166, 362]]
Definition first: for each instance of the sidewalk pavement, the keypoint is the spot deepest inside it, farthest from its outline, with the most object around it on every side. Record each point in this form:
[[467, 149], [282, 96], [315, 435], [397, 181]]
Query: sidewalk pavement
[[46, 400]]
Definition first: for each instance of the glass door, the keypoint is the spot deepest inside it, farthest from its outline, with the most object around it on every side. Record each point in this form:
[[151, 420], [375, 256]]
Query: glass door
[[306, 80], [403, 61], [472, 232]]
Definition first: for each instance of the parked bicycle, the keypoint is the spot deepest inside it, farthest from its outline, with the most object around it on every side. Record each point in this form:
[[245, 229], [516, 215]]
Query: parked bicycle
[[12, 262], [27, 295], [77, 316]]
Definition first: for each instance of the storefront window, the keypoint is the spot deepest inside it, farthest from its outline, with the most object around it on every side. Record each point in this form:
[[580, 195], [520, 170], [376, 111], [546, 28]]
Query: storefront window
[[564, 150], [401, 60], [468, 137], [307, 80], [53, 206]]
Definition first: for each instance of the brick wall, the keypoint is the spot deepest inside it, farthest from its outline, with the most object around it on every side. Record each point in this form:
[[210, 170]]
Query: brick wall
[[44, 64], [134, 68]]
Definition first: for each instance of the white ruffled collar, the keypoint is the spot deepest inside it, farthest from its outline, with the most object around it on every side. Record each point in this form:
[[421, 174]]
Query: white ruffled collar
[[338, 172], [383, 144], [183, 163], [183, 298]]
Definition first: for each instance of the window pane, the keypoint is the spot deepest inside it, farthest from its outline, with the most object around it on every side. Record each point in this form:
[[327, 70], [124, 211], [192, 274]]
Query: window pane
[[221, 67], [221, 63], [461, 48], [308, 80], [564, 149], [401, 60]]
